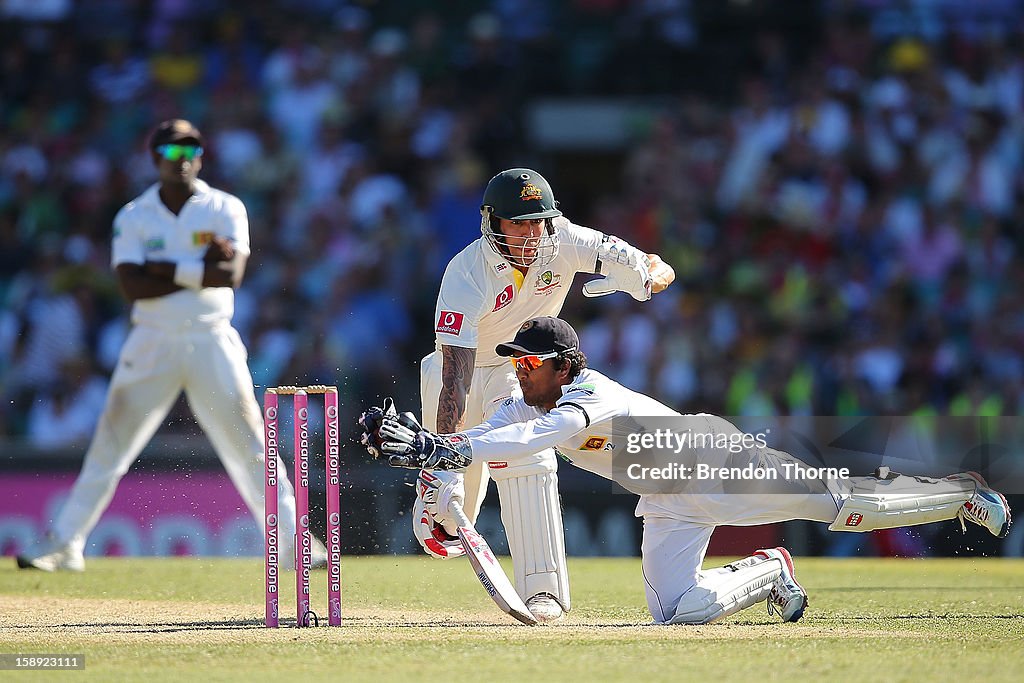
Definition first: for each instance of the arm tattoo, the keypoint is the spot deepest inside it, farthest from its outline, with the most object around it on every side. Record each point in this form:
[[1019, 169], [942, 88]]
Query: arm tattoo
[[456, 376]]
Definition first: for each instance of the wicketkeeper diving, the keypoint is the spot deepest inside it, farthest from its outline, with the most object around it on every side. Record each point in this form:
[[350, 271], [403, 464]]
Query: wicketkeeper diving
[[566, 405]]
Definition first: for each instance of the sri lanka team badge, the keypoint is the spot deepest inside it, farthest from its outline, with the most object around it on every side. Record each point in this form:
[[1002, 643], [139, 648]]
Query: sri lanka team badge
[[200, 239]]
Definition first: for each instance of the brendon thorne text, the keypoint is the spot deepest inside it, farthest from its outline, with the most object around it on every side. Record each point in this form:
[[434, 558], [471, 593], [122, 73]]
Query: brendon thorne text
[[734, 443], [710, 454], [703, 470], [706, 454]]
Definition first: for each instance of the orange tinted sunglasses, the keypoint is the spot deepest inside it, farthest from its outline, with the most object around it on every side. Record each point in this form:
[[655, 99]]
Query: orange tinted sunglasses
[[531, 363]]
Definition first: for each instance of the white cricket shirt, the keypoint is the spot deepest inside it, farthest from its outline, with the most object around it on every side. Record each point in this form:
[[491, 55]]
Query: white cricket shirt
[[480, 306], [146, 230], [580, 425], [590, 424]]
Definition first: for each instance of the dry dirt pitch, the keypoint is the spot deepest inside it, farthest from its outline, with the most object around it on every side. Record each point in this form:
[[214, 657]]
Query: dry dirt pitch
[[413, 618]]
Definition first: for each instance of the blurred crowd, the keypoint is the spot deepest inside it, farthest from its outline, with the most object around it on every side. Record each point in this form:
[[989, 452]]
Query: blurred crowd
[[838, 184]]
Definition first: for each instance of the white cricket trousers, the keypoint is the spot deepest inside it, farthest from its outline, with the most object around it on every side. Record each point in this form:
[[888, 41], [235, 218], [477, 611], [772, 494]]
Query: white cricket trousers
[[489, 387], [156, 364], [678, 528], [673, 550]]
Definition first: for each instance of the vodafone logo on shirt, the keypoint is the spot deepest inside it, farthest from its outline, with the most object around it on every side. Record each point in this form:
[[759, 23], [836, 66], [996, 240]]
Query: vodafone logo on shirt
[[450, 322], [503, 299]]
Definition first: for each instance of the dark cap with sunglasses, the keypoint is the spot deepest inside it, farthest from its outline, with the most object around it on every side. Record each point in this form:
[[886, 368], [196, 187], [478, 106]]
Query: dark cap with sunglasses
[[541, 336], [175, 132]]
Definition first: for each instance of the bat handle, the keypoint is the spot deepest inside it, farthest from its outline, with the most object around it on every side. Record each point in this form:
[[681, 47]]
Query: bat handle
[[459, 514]]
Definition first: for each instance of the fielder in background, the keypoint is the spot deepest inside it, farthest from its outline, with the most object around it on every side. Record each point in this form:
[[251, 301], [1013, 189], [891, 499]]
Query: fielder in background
[[179, 250], [521, 267], [565, 404]]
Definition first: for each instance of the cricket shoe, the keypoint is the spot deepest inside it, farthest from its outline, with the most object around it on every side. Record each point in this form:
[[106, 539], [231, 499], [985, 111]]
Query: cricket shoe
[[545, 608], [788, 599], [987, 508], [52, 556]]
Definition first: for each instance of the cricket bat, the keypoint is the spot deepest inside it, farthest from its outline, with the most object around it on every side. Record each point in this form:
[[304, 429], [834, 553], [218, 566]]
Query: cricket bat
[[487, 569]]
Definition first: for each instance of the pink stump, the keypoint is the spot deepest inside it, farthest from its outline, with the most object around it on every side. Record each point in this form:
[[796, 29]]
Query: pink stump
[[270, 458], [332, 429], [303, 540]]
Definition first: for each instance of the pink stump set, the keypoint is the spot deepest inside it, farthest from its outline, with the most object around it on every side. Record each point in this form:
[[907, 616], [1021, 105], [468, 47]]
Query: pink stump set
[[303, 537]]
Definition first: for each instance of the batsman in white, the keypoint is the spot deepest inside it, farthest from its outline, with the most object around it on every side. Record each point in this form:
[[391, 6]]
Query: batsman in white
[[566, 405], [521, 267], [179, 250]]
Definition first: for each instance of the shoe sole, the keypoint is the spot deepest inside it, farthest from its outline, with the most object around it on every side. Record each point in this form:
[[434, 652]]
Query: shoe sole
[[1005, 529], [25, 563], [788, 559], [548, 618]]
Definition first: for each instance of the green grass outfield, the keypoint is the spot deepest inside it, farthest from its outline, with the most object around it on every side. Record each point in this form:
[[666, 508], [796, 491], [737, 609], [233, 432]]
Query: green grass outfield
[[418, 619]]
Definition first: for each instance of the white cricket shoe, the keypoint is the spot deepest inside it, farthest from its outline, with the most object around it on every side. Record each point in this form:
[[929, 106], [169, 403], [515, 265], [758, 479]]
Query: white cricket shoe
[[788, 599], [545, 608], [987, 508], [52, 556]]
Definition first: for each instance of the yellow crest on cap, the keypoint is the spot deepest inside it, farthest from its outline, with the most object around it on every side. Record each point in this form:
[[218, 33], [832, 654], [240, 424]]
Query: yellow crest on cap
[[530, 191]]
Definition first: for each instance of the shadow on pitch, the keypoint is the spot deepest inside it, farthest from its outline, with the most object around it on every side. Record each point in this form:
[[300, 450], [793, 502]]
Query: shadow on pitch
[[906, 589], [168, 627], [914, 617]]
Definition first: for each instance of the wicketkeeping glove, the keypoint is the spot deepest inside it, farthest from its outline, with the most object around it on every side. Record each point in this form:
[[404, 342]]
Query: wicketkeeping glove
[[370, 421], [414, 447]]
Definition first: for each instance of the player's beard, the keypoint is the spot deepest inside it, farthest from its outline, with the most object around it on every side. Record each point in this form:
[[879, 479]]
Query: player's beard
[[524, 260], [521, 255], [534, 397], [546, 245]]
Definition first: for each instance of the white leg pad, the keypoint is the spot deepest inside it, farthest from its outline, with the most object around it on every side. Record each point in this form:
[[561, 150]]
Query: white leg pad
[[896, 500], [727, 590], [532, 515]]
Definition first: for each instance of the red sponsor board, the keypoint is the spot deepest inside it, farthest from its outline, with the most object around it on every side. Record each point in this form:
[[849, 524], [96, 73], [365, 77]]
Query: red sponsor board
[[450, 322], [154, 513]]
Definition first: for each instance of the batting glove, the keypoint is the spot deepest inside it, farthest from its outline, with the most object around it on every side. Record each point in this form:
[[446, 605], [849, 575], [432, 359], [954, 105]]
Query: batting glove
[[625, 269], [432, 536]]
